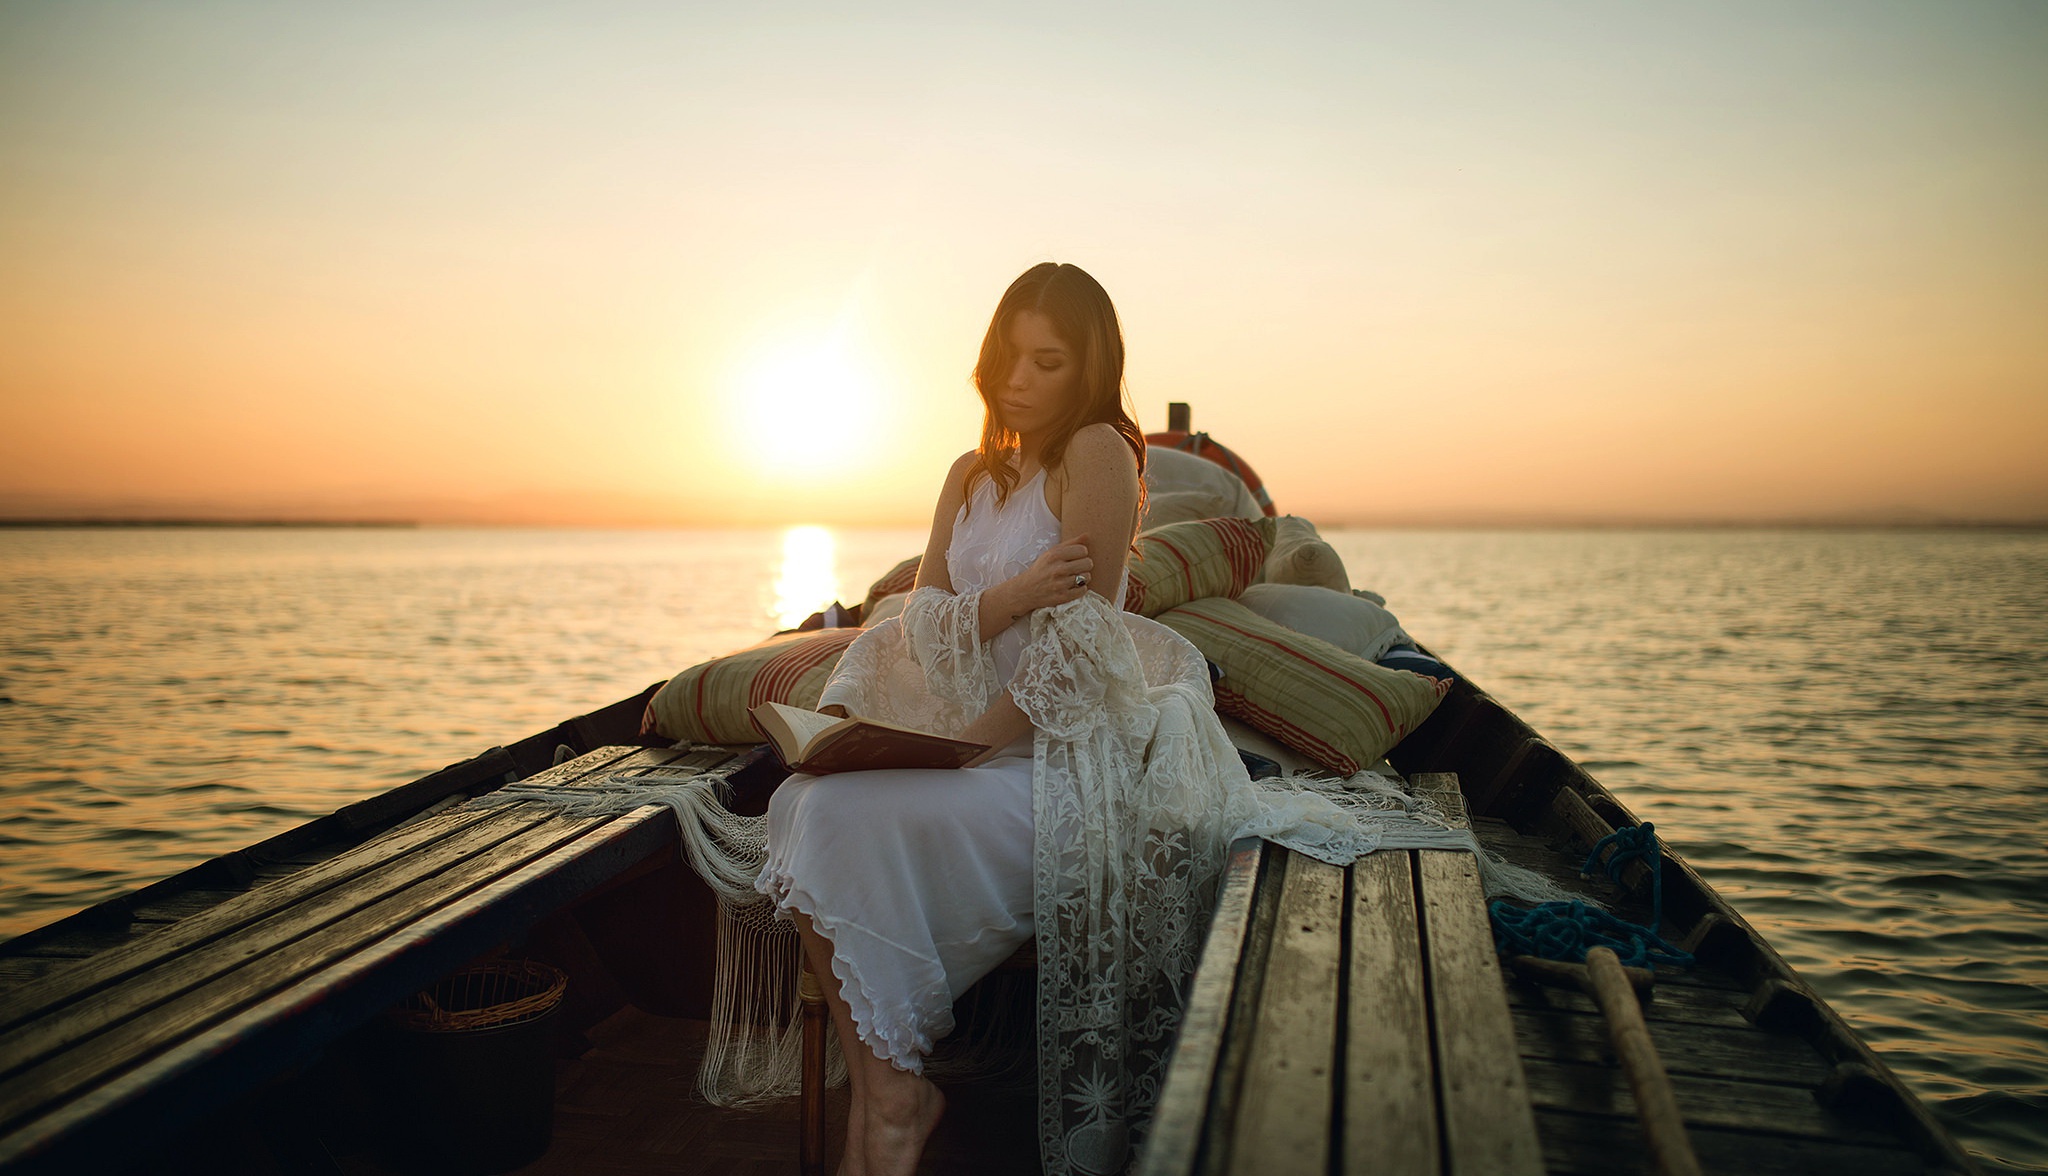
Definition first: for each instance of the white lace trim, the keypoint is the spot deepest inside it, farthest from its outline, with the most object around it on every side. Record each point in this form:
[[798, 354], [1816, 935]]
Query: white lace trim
[[900, 1028]]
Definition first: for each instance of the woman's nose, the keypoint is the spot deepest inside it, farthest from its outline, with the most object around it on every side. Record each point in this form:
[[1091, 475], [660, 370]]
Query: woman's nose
[[1020, 374]]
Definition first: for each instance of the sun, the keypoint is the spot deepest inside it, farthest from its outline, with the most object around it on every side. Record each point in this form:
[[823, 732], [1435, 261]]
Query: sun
[[809, 576], [807, 406]]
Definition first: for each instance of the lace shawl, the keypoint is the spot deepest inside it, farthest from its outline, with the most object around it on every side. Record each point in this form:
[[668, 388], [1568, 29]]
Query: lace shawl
[[1137, 795]]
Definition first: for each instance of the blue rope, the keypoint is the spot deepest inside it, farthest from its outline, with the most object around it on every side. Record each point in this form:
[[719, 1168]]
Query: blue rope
[[1632, 843], [1566, 930]]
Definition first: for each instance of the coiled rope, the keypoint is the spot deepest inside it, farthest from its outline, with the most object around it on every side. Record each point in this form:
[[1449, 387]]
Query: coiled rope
[[1566, 930]]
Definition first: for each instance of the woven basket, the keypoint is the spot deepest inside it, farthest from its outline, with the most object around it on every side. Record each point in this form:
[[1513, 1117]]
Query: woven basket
[[484, 996]]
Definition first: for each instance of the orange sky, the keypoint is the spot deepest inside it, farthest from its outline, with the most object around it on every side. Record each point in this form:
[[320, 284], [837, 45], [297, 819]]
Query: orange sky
[[635, 264]]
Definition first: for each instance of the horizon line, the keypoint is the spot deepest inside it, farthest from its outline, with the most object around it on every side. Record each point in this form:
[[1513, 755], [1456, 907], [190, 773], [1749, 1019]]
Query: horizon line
[[1472, 523]]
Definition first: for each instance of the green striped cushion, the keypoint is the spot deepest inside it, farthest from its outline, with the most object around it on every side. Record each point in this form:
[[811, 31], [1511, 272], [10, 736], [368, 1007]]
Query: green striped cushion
[[1332, 706], [709, 702], [1187, 561]]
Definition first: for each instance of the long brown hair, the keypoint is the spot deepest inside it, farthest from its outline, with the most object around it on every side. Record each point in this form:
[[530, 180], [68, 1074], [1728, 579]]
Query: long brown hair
[[1083, 318]]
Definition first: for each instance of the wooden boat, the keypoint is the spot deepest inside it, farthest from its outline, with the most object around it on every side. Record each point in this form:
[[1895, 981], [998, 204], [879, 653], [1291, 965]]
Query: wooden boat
[[225, 1019]]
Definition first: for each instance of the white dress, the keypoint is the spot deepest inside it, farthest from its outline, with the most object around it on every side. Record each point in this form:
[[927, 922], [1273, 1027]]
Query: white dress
[[1103, 833], [921, 879]]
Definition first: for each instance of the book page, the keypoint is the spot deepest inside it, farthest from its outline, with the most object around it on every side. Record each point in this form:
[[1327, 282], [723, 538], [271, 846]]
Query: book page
[[805, 725]]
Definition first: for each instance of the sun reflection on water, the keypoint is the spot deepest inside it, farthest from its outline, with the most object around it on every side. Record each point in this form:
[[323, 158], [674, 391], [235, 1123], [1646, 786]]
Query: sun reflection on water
[[809, 578]]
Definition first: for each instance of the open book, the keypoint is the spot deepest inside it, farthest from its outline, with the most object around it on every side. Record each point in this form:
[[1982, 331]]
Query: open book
[[810, 742]]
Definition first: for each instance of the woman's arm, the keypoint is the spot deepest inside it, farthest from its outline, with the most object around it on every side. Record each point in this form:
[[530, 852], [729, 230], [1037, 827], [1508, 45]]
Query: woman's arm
[[931, 570], [1098, 497], [1097, 505], [1048, 581]]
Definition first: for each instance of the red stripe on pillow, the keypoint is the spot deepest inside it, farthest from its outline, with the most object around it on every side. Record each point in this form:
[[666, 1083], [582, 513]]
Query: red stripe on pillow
[[697, 704], [776, 678], [1243, 551], [1238, 706], [1361, 687], [898, 580], [1187, 566]]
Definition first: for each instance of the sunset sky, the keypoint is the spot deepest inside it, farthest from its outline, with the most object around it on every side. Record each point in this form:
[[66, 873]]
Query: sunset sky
[[688, 264]]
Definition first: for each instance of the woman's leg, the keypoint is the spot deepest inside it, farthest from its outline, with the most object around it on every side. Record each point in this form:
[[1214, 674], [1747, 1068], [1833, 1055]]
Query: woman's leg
[[893, 1111], [818, 954]]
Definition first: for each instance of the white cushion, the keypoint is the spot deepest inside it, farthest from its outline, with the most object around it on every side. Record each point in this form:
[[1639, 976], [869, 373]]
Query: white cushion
[[1222, 493], [1300, 556], [1351, 623], [1185, 506], [884, 608]]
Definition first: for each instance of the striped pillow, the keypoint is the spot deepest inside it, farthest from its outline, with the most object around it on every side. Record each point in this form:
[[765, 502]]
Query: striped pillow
[[1337, 708], [1187, 561], [901, 578], [708, 703]]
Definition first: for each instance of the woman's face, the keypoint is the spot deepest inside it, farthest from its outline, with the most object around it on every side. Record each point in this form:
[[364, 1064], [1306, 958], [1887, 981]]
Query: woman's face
[[1044, 371]]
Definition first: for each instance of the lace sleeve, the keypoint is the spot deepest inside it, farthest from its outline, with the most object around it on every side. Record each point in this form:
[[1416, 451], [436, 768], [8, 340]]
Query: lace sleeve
[[944, 633], [1080, 664], [859, 672]]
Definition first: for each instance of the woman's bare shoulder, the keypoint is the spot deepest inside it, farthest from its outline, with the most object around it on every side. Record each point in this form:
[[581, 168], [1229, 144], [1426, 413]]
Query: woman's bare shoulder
[[956, 477], [1099, 451]]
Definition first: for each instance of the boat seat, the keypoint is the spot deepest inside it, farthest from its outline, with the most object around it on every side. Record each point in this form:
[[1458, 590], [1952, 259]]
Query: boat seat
[[111, 1054], [1347, 1019]]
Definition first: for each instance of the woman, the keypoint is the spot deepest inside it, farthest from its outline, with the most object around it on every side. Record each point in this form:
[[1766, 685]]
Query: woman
[[908, 886]]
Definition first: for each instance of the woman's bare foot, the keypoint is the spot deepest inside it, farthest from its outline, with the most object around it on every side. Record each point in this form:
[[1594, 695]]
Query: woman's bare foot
[[901, 1114]]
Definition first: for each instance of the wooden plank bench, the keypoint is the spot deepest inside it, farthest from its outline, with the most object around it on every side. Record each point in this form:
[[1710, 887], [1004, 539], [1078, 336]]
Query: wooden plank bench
[[1348, 1020], [101, 1060]]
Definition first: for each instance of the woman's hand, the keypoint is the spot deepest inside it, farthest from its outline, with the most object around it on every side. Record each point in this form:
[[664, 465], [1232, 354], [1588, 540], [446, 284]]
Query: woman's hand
[[1053, 578], [1062, 574]]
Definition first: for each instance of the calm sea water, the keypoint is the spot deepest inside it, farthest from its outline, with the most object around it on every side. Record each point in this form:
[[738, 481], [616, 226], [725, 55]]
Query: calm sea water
[[1847, 732]]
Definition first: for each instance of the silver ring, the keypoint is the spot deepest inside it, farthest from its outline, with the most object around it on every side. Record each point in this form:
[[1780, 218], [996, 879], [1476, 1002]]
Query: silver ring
[[1080, 581]]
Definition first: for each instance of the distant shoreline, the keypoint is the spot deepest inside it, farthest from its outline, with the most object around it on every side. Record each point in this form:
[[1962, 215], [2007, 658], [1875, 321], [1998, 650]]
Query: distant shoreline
[[1689, 525], [58, 524], [1336, 524]]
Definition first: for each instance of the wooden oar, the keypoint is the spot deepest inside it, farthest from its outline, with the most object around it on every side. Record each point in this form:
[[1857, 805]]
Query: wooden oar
[[1614, 989]]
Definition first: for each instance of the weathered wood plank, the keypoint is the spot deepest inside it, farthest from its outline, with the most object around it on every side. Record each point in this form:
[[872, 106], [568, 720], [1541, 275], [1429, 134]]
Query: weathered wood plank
[[1441, 788], [1590, 1145], [216, 920], [1488, 1126], [1707, 1051], [1282, 1121], [1214, 1152], [170, 908], [88, 941], [1389, 1123], [217, 914], [1743, 1106], [1184, 1096], [202, 1071], [1669, 1002], [17, 970], [136, 990], [232, 974]]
